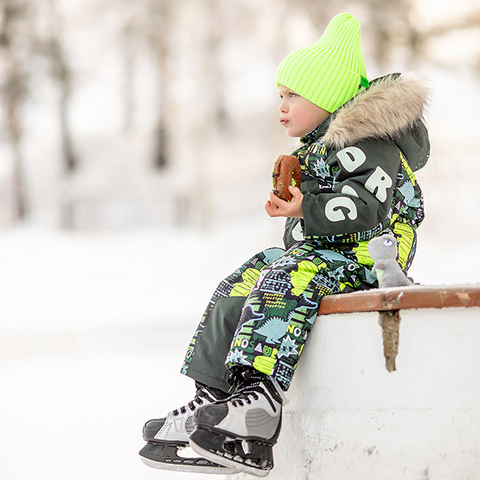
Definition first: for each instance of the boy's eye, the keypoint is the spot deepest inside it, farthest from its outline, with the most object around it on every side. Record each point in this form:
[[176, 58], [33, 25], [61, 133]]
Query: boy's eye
[[292, 94]]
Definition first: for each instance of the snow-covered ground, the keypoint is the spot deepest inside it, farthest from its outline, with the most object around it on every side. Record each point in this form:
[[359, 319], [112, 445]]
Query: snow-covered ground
[[75, 410], [94, 326], [92, 335]]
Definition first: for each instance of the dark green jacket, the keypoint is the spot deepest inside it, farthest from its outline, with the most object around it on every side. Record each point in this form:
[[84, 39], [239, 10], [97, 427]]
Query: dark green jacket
[[357, 168]]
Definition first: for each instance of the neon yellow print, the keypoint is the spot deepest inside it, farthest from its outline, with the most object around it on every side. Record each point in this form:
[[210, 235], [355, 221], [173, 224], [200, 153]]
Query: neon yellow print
[[243, 288], [302, 277], [264, 364], [361, 252], [405, 235], [275, 300]]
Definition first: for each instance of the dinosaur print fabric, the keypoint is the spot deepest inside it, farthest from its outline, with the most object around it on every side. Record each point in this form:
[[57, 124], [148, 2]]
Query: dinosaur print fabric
[[282, 306], [281, 300]]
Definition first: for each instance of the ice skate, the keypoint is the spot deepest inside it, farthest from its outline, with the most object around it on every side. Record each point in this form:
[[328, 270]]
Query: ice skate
[[167, 445], [239, 432]]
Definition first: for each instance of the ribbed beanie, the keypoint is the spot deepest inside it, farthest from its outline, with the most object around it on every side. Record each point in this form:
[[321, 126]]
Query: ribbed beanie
[[330, 71]]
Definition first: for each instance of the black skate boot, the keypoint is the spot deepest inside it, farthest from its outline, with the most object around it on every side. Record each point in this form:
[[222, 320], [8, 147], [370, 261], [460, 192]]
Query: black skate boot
[[167, 445], [239, 432]]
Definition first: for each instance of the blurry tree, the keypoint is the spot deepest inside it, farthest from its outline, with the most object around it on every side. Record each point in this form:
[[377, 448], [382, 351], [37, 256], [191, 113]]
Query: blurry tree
[[158, 34], [318, 12], [185, 41], [212, 72], [14, 56], [20, 43], [388, 20], [393, 26], [470, 21], [158, 22], [51, 46], [208, 109], [148, 22], [128, 37], [131, 20]]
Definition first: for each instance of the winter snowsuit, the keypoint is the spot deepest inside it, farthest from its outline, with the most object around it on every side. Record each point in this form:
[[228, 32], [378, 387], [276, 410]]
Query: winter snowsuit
[[357, 182]]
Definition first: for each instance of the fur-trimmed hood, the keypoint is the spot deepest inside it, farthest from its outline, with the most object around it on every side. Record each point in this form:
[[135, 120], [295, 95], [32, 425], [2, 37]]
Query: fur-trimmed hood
[[391, 108]]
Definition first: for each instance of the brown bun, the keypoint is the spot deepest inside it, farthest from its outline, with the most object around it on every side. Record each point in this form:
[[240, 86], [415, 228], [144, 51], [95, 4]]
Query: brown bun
[[286, 172]]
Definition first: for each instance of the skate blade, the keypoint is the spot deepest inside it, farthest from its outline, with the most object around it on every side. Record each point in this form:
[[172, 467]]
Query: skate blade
[[228, 463], [180, 460]]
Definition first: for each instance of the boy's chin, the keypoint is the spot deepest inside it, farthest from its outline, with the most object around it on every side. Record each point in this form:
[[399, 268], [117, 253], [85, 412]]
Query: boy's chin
[[295, 134]]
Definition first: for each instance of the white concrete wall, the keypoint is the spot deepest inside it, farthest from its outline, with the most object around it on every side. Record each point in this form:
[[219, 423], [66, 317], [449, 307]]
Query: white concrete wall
[[349, 418]]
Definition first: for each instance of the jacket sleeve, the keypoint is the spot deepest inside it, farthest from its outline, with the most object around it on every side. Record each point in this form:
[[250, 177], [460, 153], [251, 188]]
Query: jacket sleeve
[[365, 176]]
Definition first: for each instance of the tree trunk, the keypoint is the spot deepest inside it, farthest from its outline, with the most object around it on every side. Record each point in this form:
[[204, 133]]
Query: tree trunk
[[13, 92]]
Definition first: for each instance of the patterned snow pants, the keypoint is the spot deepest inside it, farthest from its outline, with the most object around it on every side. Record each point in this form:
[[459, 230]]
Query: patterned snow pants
[[262, 314]]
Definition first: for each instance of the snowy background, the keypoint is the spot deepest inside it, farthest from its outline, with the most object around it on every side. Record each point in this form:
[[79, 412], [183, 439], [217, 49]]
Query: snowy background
[[104, 278]]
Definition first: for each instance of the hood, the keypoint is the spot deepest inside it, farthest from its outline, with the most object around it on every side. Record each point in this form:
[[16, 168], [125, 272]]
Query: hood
[[391, 108]]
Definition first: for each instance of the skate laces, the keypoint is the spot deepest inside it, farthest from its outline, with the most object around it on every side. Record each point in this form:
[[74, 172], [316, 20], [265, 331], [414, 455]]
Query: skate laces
[[243, 395], [247, 383], [201, 392]]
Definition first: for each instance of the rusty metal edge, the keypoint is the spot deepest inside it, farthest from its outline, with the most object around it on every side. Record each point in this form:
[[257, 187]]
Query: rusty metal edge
[[416, 296]]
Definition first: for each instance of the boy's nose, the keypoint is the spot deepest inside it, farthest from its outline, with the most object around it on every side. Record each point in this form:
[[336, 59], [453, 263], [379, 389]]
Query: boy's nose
[[283, 107]]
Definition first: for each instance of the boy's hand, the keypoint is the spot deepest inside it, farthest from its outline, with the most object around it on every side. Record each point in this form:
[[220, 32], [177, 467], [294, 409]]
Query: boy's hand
[[276, 207]]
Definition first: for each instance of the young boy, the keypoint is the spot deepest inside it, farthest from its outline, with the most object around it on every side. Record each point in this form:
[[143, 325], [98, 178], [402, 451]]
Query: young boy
[[360, 145]]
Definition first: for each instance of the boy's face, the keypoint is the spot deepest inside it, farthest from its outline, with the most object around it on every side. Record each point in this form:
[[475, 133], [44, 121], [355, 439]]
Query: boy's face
[[299, 116]]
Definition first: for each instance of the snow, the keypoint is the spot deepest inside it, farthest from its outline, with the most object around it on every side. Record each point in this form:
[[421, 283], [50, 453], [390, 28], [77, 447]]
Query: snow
[[93, 332], [94, 327]]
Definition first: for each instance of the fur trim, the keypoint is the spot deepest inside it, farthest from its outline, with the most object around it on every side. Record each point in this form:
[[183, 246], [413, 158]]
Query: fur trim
[[387, 109]]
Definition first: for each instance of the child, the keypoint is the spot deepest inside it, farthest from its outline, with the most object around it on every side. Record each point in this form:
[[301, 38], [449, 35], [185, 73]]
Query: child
[[360, 145]]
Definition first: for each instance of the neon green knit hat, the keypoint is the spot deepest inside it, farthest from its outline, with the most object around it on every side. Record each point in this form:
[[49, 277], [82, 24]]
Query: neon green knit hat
[[330, 71]]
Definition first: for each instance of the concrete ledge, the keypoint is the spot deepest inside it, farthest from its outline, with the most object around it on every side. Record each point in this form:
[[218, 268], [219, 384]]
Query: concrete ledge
[[350, 418]]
